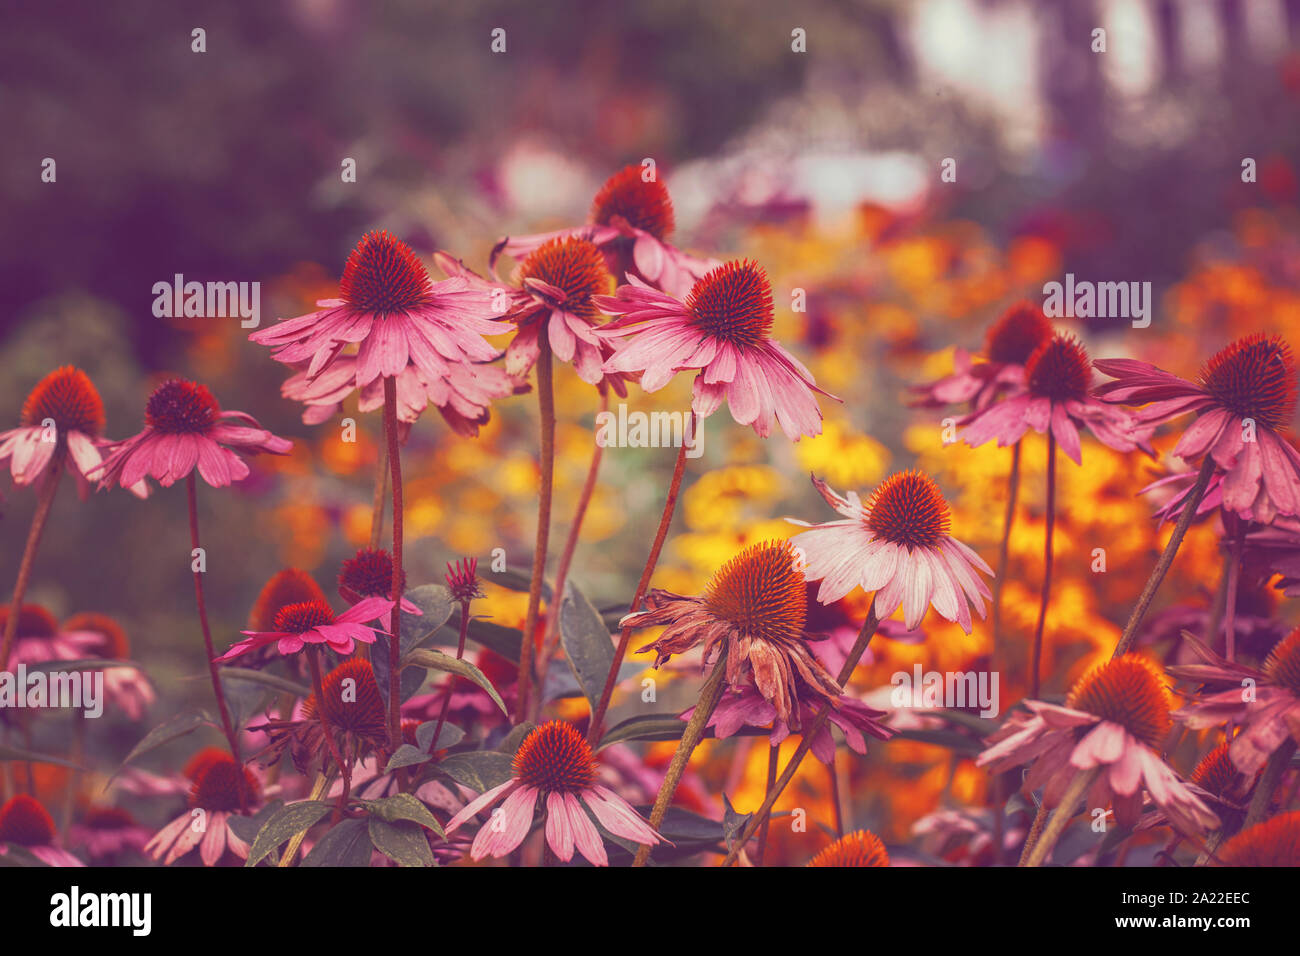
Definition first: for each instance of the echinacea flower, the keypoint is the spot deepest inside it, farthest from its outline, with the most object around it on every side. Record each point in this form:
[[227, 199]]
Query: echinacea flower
[[859, 848], [897, 545], [27, 824], [369, 574], [723, 330], [349, 707], [746, 707], [1218, 782], [287, 586], [61, 424], [554, 766], [222, 789], [107, 834], [397, 317], [463, 581], [756, 607], [1264, 704], [1009, 342], [1114, 719], [186, 428], [631, 220], [1245, 398], [1058, 398], [1274, 842], [126, 688], [38, 638], [315, 623]]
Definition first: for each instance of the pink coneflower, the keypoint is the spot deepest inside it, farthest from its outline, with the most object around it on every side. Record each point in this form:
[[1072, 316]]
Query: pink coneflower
[[185, 428], [860, 848], [554, 764], [1105, 737], [125, 687], [38, 638], [27, 824], [753, 611], [61, 425], [1010, 341], [314, 623], [746, 707], [395, 314], [1058, 400], [1267, 716], [369, 574], [631, 220], [463, 581], [1275, 842], [723, 329], [221, 789], [897, 545], [1246, 397], [107, 834]]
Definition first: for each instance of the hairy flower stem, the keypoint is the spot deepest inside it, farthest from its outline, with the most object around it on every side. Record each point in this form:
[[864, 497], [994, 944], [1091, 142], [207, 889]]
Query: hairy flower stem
[[1004, 549], [395, 638], [1035, 667], [313, 659], [1230, 597], [551, 633], [226, 723], [670, 505], [1061, 816], [773, 754], [451, 678], [809, 733], [381, 492], [546, 409], [710, 694], [1268, 781], [44, 502], [1166, 560]]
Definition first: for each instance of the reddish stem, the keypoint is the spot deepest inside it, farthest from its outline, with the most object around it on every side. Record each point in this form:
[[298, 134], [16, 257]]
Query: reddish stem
[[1036, 664], [226, 723], [674, 488], [44, 502], [313, 659], [546, 408], [395, 639]]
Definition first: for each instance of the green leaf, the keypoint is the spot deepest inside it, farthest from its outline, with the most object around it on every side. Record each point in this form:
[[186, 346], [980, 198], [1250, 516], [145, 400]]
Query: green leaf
[[178, 726], [345, 844], [505, 641], [450, 736], [435, 604], [733, 823], [510, 743], [587, 644], [407, 756], [436, 660], [262, 677], [247, 827], [645, 727], [480, 770], [88, 664], [405, 844], [283, 825], [17, 753], [403, 806], [515, 581]]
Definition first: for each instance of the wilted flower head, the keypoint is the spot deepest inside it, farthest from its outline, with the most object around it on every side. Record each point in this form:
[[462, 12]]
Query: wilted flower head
[[1115, 718], [185, 428], [898, 546], [554, 764], [723, 330], [755, 606], [1245, 399], [860, 848]]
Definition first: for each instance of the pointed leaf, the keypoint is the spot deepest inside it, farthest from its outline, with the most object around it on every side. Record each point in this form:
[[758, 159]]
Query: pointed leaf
[[436, 660], [345, 844], [283, 825]]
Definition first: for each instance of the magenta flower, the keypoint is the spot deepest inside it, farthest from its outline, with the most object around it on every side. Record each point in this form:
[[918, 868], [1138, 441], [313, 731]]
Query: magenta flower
[[898, 546], [39, 638], [313, 622], [1246, 397], [630, 220], [1009, 343], [1057, 397], [395, 315], [1113, 719], [186, 428], [107, 833], [554, 765], [25, 823], [1264, 704], [221, 790], [722, 329]]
